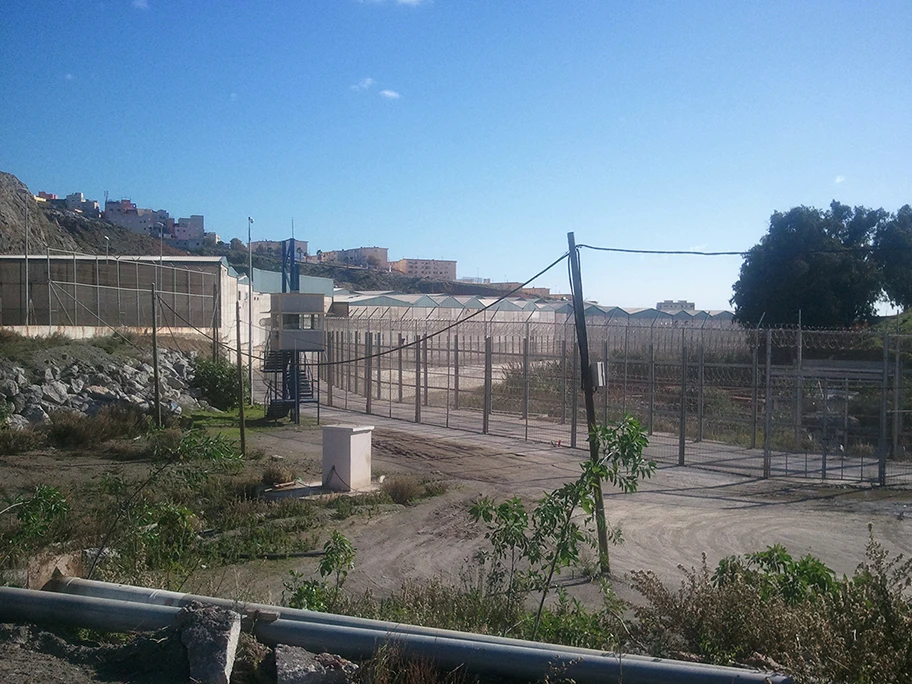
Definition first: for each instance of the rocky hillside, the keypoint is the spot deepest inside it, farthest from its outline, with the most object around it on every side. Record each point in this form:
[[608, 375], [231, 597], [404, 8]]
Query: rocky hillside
[[59, 229], [82, 377]]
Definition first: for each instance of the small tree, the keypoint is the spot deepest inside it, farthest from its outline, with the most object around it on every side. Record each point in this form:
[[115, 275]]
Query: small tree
[[555, 540], [217, 379], [338, 559]]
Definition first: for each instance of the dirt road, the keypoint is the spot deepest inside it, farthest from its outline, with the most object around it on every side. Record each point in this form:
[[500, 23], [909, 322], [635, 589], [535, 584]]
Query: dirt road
[[676, 516]]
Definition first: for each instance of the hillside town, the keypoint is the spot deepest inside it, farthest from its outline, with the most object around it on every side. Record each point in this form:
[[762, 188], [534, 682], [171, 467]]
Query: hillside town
[[190, 234]]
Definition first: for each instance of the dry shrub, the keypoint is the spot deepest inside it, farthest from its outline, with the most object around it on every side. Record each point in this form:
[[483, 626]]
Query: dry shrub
[[390, 666], [406, 489], [166, 441], [276, 473], [68, 429], [19, 441]]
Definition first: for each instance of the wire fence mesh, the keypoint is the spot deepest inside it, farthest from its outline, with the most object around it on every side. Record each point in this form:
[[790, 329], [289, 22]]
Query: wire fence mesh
[[822, 404]]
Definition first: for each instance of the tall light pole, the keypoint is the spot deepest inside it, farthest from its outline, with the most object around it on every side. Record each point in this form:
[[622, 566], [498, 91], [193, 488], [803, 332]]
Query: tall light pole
[[27, 303], [250, 311], [107, 247], [161, 252]]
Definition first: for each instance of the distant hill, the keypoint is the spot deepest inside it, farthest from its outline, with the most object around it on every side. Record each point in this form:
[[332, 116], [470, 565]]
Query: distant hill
[[63, 230]]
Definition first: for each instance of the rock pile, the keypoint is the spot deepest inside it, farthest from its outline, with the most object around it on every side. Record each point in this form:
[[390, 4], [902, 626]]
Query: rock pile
[[66, 384]]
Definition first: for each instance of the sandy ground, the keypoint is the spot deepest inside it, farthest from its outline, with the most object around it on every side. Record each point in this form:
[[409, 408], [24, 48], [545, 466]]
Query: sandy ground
[[678, 515], [681, 513]]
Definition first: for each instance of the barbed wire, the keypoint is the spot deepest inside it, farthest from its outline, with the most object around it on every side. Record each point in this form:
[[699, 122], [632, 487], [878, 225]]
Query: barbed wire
[[686, 252], [391, 350]]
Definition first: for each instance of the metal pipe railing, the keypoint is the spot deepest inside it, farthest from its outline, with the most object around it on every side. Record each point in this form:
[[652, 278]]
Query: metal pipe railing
[[354, 637]]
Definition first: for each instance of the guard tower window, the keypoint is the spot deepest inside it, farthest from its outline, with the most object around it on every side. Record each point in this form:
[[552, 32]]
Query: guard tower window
[[302, 322]]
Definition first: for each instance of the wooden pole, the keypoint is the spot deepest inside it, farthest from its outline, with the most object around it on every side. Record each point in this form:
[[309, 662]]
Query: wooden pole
[[240, 375], [155, 372], [589, 391]]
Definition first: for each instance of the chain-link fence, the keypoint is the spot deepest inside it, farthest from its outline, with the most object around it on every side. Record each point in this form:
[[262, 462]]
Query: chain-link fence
[[820, 404]]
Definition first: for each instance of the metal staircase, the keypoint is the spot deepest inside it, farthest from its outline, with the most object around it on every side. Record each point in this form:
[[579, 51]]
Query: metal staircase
[[292, 384]]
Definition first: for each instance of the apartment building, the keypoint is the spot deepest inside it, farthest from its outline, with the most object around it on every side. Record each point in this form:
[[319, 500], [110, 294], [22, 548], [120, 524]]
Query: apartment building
[[438, 269], [152, 222], [366, 257]]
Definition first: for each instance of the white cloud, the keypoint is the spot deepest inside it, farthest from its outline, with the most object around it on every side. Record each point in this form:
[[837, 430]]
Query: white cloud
[[413, 3], [839, 179], [363, 84], [141, 4], [69, 77], [233, 96], [389, 94]]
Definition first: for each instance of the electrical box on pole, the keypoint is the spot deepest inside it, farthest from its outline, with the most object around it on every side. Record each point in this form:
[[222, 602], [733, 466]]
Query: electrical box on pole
[[597, 371]]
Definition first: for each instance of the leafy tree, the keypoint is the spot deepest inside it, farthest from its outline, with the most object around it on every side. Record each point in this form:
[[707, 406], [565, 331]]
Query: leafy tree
[[820, 263], [550, 539], [893, 250], [218, 380]]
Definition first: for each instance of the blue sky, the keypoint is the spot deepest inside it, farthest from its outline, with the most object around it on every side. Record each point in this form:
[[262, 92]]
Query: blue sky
[[476, 130]]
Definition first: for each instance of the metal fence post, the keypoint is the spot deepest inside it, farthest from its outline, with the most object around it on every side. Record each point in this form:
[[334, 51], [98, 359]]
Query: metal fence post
[[417, 378], [799, 385], [700, 386], [346, 351], [682, 419], [755, 383], [378, 336], [488, 381], [368, 368], [424, 353], [897, 416], [357, 346], [884, 402], [768, 408], [330, 368], [525, 396], [401, 342], [456, 371], [563, 382], [826, 437], [652, 379], [607, 376], [574, 397], [626, 365]]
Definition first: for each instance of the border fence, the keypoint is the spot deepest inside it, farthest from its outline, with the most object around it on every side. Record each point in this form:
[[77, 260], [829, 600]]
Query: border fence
[[763, 403]]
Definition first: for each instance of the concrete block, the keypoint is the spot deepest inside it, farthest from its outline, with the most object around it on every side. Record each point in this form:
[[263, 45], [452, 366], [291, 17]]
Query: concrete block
[[296, 665], [210, 635], [347, 457]]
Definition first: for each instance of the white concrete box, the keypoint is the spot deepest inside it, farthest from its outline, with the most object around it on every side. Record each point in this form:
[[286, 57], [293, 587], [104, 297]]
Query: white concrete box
[[346, 457]]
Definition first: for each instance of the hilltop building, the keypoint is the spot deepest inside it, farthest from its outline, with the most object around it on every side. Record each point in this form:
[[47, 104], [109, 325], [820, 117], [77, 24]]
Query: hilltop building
[[437, 269], [366, 257], [73, 202], [152, 222]]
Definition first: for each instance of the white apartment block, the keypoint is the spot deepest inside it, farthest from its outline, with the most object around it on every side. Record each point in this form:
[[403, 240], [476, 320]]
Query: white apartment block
[[439, 269], [189, 228]]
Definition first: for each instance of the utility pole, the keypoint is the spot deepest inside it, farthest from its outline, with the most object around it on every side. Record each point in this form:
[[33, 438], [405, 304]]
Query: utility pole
[[249, 312], [28, 307], [240, 377], [589, 392]]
